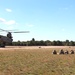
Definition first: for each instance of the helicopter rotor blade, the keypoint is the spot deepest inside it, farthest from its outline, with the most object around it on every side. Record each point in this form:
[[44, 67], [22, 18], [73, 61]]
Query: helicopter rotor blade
[[11, 31], [3, 30], [7, 30], [21, 32]]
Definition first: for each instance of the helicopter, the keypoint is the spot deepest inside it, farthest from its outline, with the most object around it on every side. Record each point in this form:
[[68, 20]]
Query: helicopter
[[8, 38]]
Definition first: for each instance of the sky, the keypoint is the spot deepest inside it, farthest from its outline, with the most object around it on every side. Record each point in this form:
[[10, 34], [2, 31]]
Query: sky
[[45, 19]]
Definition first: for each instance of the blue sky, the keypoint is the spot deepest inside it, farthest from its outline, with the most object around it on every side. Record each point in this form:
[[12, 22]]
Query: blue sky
[[45, 19]]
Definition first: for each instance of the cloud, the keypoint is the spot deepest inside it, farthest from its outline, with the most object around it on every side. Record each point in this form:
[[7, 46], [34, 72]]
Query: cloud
[[10, 22], [8, 10], [2, 20]]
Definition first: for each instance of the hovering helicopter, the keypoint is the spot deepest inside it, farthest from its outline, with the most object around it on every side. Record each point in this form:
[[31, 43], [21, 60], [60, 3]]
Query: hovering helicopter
[[8, 38]]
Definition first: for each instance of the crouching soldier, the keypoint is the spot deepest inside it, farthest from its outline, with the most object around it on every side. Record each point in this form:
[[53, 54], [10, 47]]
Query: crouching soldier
[[61, 51], [66, 52], [72, 52], [54, 52]]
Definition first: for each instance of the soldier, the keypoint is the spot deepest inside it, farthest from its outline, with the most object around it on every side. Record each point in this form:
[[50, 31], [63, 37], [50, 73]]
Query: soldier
[[66, 52], [72, 52], [54, 52], [61, 51]]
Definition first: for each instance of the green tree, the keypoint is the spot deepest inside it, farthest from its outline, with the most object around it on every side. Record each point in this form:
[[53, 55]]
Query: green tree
[[59, 43], [48, 43], [71, 43], [32, 42], [54, 43], [67, 42]]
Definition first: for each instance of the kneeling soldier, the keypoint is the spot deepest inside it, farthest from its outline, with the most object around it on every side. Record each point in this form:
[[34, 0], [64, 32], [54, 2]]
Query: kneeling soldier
[[61, 51], [72, 52], [66, 52], [54, 52]]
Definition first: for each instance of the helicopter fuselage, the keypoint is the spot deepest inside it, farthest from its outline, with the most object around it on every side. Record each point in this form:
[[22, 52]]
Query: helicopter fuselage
[[5, 39]]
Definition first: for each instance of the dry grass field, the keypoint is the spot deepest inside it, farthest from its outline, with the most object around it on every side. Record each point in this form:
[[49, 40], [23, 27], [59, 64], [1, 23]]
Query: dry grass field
[[36, 61]]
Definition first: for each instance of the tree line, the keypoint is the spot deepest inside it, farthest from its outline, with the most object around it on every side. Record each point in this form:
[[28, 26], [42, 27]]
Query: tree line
[[33, 42]]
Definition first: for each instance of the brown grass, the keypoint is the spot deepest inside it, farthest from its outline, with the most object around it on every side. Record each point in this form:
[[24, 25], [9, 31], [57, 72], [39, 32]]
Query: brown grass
[[36, 61]]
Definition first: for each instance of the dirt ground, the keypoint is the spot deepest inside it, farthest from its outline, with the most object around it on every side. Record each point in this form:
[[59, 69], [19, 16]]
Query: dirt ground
[[36, 47]]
